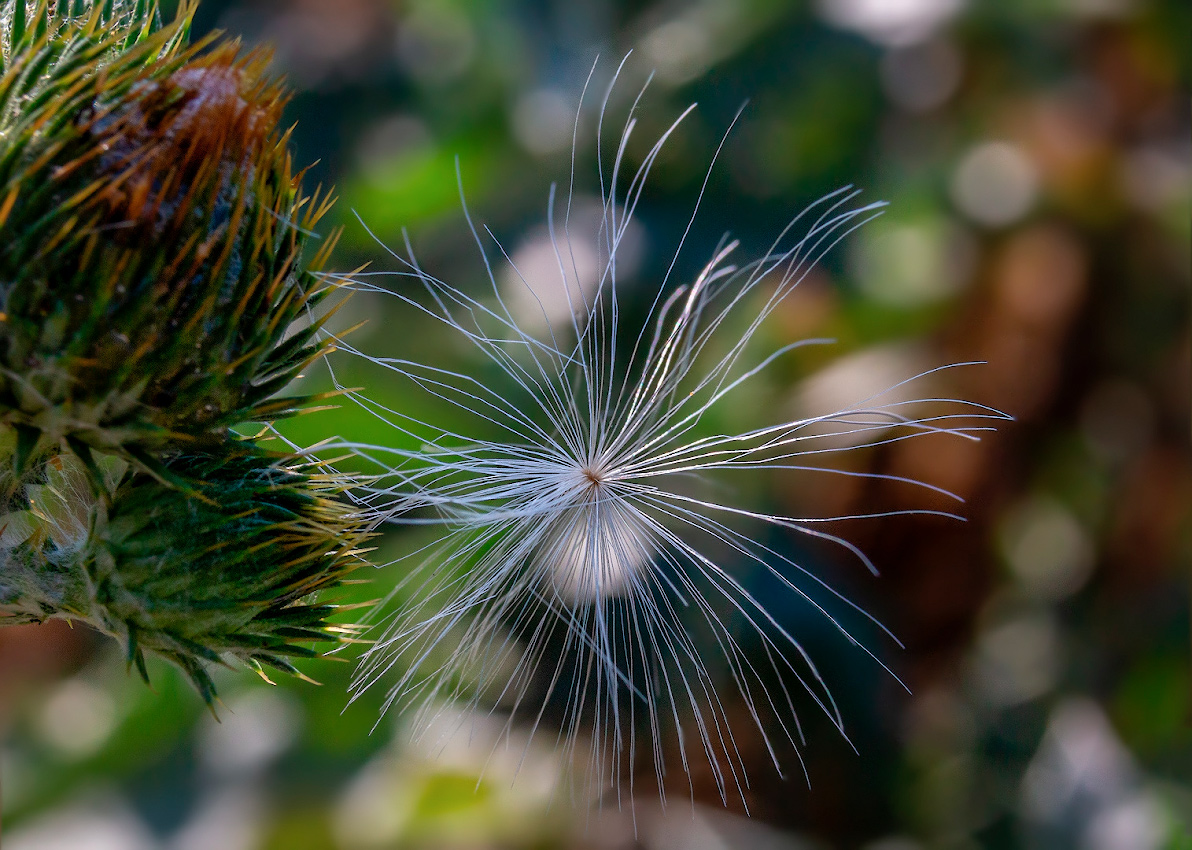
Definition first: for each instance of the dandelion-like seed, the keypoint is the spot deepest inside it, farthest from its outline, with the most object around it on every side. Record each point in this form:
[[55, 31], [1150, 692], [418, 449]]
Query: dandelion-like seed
[[584, 566]]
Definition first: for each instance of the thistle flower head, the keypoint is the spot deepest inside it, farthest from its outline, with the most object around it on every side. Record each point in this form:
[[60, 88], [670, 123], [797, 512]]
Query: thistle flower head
[[229, 573], [594, 568], [153, 234]]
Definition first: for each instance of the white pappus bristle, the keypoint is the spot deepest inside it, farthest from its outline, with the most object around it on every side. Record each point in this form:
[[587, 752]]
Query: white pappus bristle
[[583, 577]]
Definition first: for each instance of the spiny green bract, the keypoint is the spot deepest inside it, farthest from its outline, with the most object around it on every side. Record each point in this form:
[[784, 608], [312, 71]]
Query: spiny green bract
[[152, 230], [154, 294], [229, 572]]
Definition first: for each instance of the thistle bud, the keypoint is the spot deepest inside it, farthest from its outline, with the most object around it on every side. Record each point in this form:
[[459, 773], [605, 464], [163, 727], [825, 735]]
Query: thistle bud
[[153, 231], [229, 573]]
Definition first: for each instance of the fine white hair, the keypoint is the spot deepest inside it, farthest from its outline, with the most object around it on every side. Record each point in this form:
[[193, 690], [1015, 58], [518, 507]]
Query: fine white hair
[[581, 558]]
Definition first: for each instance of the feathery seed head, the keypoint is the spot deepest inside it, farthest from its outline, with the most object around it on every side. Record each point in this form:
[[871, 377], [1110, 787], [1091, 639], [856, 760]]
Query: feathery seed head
[[585, 525]]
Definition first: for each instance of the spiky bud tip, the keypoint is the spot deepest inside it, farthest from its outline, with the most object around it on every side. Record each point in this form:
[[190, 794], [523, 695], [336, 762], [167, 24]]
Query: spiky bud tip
[[153, 232]]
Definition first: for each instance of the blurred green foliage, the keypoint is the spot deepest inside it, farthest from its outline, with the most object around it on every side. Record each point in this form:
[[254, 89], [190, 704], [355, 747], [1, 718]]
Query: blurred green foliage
[[1036, 157]]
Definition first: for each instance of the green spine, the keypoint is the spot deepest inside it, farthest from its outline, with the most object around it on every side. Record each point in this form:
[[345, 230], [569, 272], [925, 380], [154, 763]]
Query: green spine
[[154, 293], [153, 234]]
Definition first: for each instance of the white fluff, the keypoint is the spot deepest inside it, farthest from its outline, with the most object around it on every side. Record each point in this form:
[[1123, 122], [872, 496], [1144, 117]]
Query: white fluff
[[577, 544]]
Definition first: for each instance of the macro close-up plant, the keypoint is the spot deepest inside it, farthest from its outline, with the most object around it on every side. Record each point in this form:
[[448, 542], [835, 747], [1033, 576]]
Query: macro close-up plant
[[588, 537], [151, 274], [625, 474]]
